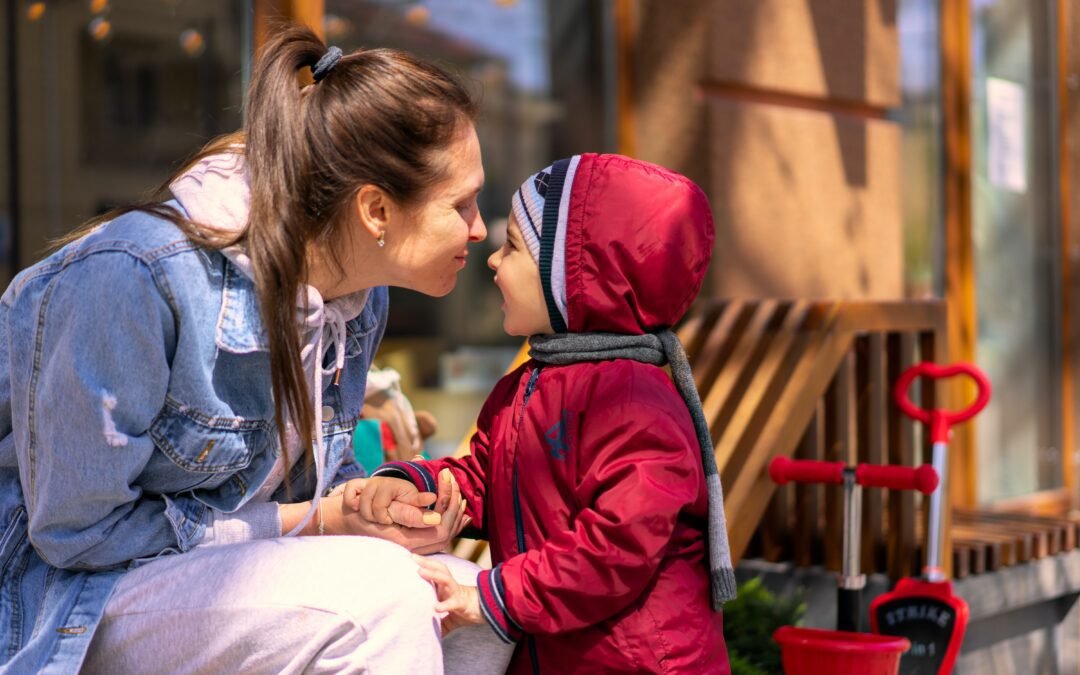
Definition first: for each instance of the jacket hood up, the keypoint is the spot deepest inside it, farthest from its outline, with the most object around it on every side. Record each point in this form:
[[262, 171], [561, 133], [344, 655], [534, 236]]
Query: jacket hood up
[[625, 245]]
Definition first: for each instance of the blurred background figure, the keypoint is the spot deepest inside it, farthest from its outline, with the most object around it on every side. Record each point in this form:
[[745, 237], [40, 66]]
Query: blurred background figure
[[391, 430]]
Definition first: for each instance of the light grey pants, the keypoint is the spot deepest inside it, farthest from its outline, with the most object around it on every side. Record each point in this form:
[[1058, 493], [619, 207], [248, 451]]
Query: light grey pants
[[297, 605]]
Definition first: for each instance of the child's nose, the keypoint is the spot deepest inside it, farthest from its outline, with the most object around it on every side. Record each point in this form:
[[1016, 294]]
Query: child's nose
[[493, 260]]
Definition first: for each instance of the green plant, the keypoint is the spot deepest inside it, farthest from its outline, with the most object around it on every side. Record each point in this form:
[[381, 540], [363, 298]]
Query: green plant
[[749, 622]]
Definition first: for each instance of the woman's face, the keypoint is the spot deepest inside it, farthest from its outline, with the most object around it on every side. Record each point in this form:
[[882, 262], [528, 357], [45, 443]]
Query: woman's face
[[426, 245]]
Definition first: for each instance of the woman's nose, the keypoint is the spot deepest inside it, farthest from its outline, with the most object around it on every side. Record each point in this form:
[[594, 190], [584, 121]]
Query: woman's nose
[[477, 230]]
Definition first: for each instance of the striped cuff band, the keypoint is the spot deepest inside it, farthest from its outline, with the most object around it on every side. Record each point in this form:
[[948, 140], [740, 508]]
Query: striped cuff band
[[493, 605], [416, 473]]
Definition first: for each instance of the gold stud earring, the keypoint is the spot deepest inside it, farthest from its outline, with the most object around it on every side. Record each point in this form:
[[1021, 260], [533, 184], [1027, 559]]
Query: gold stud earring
[[382, 238]]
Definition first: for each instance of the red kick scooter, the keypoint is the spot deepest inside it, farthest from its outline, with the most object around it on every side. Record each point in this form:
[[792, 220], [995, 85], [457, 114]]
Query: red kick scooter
[[846, 651], [924, 610]]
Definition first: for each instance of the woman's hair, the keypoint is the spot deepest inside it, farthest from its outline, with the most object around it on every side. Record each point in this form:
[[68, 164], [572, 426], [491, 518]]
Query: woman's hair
[[378, 117]]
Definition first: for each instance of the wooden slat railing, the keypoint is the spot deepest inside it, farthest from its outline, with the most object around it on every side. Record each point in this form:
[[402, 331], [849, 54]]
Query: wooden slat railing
[[812, 380]]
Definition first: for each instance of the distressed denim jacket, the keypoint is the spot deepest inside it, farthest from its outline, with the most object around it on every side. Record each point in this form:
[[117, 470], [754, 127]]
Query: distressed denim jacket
[[134, 395]]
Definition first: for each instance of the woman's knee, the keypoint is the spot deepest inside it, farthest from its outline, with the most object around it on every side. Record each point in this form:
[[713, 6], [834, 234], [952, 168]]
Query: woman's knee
[[412, 593], [463, 571], [383, 579]]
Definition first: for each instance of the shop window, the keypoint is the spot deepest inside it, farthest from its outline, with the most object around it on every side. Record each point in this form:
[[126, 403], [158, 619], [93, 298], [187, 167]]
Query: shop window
[[111, 97]]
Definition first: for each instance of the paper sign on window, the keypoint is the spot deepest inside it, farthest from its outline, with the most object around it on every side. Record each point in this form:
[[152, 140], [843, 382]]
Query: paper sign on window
[[1006, 160]]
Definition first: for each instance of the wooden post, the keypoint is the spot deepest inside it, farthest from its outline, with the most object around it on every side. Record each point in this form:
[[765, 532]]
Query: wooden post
[[901, 542], [308, 12], [624, 93], [1068, 28], [311, 13], [959, 252], [872, 396]]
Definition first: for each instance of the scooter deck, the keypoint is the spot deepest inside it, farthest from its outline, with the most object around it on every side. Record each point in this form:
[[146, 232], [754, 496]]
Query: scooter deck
[[929, 615]]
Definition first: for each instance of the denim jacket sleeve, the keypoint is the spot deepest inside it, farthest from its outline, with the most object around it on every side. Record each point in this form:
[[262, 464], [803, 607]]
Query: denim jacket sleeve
[[103, 342]]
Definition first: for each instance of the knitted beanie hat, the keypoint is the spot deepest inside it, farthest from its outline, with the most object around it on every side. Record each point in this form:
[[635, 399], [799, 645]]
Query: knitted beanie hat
[[527, 205], [540, 207]]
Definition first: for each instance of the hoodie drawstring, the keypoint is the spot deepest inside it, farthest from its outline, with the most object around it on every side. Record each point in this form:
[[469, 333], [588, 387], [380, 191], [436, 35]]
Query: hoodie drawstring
[[327, 319]]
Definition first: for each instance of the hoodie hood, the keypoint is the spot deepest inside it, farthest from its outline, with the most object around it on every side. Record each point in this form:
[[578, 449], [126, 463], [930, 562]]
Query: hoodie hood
[[216, 192], [624, 245]]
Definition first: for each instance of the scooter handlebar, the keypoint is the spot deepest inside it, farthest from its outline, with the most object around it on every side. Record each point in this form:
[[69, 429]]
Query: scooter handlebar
[[922, 478], [783, 470]]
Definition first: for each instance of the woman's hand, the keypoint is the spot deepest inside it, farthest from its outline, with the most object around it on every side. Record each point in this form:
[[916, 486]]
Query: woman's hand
[[460, 603], [350, 510], [437, 539], [421, 539], [390, 501]]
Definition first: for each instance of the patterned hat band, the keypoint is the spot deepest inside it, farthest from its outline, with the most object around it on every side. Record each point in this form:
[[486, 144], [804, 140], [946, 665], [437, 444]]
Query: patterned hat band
[[527, 205], [540, 207]]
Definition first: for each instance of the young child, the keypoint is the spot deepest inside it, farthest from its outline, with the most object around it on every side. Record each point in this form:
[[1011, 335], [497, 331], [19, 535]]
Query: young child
[[591, 474]]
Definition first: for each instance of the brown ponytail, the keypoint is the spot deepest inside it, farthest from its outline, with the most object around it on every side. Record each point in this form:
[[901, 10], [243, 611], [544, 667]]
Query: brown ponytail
[[379, 117]]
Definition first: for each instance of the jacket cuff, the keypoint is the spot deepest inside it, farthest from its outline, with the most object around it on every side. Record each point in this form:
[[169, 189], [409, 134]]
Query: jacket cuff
[[413, 472], [493, 605], [259, 520]]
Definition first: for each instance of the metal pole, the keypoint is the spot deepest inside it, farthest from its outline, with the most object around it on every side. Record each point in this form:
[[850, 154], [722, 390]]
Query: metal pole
[[849, 597], [933, 570]]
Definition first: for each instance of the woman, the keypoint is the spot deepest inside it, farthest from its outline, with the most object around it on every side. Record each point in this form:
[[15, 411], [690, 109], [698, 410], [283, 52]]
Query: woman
[[153, 368]]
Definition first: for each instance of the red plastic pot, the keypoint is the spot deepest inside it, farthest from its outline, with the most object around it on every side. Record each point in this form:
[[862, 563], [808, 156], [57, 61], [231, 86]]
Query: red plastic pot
[[813, 651]]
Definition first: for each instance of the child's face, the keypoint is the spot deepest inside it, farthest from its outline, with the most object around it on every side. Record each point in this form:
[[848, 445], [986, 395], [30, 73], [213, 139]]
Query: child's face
[[518, 277]]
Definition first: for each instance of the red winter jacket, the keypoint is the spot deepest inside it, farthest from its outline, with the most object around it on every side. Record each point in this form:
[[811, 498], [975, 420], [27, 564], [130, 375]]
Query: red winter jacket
[[587, 478]]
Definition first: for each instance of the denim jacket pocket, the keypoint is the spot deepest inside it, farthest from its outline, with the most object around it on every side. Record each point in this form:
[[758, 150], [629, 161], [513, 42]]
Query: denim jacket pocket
[[205, 444]]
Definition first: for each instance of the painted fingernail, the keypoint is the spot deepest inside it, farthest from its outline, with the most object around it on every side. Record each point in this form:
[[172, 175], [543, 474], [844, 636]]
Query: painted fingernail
[[432, 518]]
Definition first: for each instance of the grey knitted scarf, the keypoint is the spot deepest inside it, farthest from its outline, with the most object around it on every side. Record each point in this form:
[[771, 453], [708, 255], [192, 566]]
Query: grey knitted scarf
[[657, 349]]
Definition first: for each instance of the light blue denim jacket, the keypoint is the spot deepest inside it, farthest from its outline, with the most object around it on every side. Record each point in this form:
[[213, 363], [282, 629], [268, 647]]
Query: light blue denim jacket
[[134, 395]]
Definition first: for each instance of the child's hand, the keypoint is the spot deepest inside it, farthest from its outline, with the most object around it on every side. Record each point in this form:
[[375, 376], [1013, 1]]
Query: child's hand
[[347, 519], [460, 603], [390, 501], [454, 519]]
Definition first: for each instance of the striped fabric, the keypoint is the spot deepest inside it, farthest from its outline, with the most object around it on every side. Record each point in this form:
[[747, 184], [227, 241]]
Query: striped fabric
[[415, 473], [541, 207], [493, 605]]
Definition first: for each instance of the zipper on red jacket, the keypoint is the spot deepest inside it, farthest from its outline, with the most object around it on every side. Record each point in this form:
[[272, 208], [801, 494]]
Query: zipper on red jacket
[[519, 523]]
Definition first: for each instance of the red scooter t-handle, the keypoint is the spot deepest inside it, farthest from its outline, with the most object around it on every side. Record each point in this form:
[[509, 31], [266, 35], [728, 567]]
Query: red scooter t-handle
[[940, 419], [922, 478], [783, 471]]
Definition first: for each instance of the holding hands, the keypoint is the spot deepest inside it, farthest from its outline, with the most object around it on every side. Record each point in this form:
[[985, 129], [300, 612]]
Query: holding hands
[[400, 509], [393, 509]]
